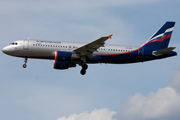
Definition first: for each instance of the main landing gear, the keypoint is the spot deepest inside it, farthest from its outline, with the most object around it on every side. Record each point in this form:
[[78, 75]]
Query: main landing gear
[[84, 68], [84, 65], [24, 65]]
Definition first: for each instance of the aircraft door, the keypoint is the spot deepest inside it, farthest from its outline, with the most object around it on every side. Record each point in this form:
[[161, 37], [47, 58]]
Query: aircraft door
[[140, 52], [26, 44], [70, 47]]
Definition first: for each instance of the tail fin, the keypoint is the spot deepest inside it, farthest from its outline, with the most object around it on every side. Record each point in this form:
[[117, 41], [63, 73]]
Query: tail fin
[[161, 38]]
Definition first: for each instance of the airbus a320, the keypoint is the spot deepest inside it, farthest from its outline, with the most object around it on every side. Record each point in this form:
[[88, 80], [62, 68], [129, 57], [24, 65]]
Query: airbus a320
[[69, 54]]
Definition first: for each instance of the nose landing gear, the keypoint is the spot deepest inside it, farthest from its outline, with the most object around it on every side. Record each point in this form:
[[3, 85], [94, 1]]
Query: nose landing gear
[[24, 65]]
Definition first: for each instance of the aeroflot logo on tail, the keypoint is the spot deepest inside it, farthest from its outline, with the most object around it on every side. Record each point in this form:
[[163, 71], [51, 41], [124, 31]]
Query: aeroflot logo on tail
[[166, 34], [42, 41]]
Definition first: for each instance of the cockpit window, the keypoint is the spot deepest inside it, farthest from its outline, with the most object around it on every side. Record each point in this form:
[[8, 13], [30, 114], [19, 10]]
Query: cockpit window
[[14, 43]]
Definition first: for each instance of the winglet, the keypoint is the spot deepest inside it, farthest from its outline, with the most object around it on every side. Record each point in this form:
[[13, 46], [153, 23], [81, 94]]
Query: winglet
[[110, 36]]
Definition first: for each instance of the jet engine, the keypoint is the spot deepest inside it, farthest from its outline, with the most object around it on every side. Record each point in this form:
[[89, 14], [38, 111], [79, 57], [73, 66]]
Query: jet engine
[[62, 65], [65, 56]]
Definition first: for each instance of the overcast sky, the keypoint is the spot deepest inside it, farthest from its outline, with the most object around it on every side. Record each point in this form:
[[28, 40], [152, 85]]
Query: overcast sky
[[140, 91]]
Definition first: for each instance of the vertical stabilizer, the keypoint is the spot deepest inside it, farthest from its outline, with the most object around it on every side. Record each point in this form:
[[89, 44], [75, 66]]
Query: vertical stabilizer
[[160, 39]]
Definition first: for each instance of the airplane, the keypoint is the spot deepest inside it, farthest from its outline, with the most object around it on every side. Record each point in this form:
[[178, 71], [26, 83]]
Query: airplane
[[69, 54]]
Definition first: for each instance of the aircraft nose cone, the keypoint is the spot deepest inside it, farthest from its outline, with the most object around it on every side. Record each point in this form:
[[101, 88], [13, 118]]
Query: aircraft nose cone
[[5, 50]]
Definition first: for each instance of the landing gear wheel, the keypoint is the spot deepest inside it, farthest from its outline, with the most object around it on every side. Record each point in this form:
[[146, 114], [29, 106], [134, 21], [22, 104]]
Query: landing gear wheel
[[24, 65], [83, 72], [85, 66], [25, 61]]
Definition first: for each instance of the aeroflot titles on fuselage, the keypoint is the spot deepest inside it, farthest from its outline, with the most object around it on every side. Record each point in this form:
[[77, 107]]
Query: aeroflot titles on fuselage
[[43, 41]]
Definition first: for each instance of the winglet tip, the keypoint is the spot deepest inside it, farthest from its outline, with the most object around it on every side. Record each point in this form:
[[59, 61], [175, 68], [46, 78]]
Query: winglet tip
[[110, 36]]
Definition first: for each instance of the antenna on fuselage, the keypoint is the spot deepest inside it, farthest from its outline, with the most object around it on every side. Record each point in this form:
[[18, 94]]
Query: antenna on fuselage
[[28, 38]]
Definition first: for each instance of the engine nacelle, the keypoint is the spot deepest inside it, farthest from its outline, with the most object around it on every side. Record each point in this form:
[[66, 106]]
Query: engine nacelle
[[62, 65], [65, 56]]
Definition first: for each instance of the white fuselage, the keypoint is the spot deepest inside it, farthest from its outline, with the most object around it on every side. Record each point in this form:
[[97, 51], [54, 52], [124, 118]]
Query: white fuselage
[[46, 49]]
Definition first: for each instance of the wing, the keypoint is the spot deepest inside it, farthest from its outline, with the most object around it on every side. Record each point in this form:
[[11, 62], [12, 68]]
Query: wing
[[88, 49]]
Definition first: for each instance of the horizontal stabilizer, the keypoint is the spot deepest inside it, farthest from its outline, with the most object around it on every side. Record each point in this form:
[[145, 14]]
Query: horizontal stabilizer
[[163, 51]]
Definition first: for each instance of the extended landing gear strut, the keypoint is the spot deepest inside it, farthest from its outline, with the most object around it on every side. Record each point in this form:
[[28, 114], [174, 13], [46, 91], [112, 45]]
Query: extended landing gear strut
[[25, 61], [84, 68], [84, 65]]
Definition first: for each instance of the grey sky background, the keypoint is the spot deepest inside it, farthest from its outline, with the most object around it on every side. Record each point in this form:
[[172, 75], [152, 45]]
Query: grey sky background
[[147, 90]]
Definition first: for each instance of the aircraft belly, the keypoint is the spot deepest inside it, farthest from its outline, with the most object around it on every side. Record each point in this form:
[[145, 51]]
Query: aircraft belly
[[121, 58]]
